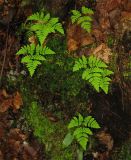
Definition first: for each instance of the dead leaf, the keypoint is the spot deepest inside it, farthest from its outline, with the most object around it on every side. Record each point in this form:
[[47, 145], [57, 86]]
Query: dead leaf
[[72, 45], [30, 150], [17, 101], [103, 52], [1, 2], [104, 23], [101, 156], [126, 16], [4, 93], [105, 138], [1, 156], [5, 105], [33, 40], [77, 37], [109, 5], [52, 117], [98, 34]]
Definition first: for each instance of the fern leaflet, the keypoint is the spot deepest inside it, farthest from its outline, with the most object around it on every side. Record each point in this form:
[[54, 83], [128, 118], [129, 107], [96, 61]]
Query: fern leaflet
[[82, 130], [83, 18], [33, 56], [95, 72], [44, 25]]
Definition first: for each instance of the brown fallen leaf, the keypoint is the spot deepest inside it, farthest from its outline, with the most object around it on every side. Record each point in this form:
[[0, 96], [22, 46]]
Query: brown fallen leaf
[[109, 5], [5, 94], [77, 37], [1, 155], [29, 149], [33, 40], [17, 101], [106, 139], [104, 23], [5, 105], [98, 34], [103, 52], [1, 2]]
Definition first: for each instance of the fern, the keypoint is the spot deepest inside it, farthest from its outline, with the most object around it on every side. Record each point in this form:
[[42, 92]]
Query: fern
[[82, 130], [95, 72], [33, 56], [83, 18], [40, 26], [43, 25]]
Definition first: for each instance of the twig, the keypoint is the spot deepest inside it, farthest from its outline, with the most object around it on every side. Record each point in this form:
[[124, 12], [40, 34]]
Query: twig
[[3, 64]]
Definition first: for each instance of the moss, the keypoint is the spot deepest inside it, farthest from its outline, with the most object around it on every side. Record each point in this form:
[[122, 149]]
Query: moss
[[123, 153], [48, 133]]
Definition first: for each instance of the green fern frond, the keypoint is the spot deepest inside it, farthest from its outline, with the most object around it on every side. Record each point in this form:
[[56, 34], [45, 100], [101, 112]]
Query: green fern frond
[[44, 25], [80, 63], [73, 123], [82, 18], [36, 17], [86, 10], [96, 62], [33, 56], [32, 65], [41, 27], [48, 51], [59, 28], [87, 26], [91, 122], [82, 136], [95, 72], [76, 15], [82, 130]]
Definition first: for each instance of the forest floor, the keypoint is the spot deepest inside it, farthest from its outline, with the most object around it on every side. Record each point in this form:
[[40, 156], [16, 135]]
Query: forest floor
[[109, 40]]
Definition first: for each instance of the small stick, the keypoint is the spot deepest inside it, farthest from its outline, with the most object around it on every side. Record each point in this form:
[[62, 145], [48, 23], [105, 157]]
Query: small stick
[[1, 73]]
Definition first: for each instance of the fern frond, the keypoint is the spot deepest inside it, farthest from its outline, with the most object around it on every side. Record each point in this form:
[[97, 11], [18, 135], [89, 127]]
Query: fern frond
[[80, 63], [23, 50], [76, 15], [44, 25], [81, 136], [96, 73], [36, 17], [34, 56], [48, 51], [96, 62], [87, 26], [82, 18], [59, 28], [86, 10], [32, 65], [82, 130], [91, 122], [73, 123]]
